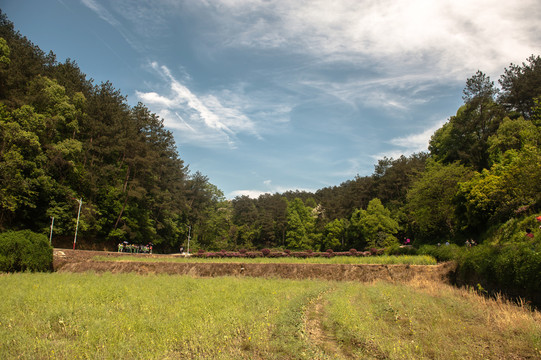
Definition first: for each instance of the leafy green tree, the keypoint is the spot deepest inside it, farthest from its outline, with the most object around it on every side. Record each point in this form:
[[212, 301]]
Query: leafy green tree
[[432, 201], [300, 225], [334, 235], [4, 52], [375, 225], [510, 187], [464, 138], [513, 134]]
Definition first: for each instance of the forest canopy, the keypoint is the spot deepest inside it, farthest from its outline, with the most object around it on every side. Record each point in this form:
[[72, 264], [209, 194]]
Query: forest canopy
[[66, 140]]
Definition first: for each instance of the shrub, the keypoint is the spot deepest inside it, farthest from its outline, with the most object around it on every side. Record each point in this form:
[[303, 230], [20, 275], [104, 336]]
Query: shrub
[[265, 252], [25, 250], [401, 250], [442, 252], [353, 251]]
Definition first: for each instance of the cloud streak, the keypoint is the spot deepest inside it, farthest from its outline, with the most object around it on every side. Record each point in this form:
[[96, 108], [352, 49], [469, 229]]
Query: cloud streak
[[206, 119], [449, 36]]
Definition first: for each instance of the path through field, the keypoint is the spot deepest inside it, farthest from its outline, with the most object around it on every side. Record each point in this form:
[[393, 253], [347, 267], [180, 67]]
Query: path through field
[[325, 343]]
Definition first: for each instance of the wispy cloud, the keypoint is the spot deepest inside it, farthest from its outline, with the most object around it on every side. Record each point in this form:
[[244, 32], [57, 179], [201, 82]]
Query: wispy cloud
[[101, 11], [447, 37], [208, 121], [409, 144]]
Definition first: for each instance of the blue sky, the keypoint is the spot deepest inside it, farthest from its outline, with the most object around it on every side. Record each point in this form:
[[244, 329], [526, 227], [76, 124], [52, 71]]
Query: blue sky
[[270, 96]]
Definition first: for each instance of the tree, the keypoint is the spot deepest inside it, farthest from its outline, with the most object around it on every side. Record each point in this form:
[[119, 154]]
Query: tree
[[513, 134], [520, 85], [392, 178], [374, 226], [432, 200], [511, 186], [464, 137], [300, 225], [334, 235]]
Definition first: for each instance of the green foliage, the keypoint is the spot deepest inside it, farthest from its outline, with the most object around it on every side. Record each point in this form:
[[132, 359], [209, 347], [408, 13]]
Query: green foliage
[[432, 201], [497, 194], [25, 250], [300, 225], [334, 234], [513, 134], [520, 85], [514, 267], [464, 138], [442, 252], [374, 225], [398, 250], [4, 52]]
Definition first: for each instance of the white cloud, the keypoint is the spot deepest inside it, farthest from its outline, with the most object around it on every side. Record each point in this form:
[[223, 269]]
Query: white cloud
[[271, 189], [410, 144], [101, 11], [448, 37], [254, 194], [204, 119]]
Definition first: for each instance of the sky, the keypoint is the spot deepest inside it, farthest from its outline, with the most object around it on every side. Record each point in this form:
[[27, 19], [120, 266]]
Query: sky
[[266, 96]]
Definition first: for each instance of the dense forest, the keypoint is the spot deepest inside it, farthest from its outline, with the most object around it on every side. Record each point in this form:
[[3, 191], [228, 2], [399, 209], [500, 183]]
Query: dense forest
[[65, 140]]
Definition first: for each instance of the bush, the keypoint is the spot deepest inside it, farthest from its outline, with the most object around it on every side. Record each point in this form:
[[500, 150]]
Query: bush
[[265, 252], [512, 267], [25, 250], [401, 250], [442, 252]]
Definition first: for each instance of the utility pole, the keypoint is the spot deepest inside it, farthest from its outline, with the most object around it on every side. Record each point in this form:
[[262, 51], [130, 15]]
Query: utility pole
[[51, 235], [77, 226], [189, 233]]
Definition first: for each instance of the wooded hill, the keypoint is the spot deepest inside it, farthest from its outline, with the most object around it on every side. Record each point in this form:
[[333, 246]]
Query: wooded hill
[[64, 138]]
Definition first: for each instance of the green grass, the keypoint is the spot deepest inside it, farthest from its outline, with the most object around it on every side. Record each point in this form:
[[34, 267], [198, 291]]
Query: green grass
[[128, 316], [439, 322], [378, 260]]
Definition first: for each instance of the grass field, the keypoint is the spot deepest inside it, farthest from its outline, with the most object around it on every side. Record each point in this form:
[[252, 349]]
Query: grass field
[[378, 260], [128, 316]]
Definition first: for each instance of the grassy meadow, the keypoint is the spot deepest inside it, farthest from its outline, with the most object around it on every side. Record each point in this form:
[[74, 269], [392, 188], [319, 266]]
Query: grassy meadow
[[355, 260], [128, 316]]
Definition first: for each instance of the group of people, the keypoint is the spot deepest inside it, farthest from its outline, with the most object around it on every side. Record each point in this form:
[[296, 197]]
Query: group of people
[[470, 243], [134, 249]]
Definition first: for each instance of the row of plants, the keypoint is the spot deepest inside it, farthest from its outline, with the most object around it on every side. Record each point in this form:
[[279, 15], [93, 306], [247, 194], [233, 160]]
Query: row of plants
[[268, 253]]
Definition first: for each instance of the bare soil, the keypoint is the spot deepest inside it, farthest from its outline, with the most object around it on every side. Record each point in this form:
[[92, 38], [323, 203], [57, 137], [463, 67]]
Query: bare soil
[[67, 260]]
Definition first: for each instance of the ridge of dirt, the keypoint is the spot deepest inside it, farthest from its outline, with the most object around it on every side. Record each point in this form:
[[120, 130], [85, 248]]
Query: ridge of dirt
[[67, 260]]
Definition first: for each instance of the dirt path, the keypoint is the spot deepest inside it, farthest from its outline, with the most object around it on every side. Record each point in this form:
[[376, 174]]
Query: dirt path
[[326, 345]]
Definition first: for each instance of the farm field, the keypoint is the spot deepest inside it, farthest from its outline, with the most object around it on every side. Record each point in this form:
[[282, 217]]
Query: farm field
[[130, 316], [375, 260]]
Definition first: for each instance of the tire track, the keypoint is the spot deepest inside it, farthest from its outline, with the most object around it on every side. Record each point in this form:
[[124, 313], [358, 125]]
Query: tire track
[[324, 343]]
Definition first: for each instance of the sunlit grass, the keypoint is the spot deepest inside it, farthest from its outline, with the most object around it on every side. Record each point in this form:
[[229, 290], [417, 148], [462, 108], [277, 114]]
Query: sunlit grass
[[430, 321], [354, 260], [128, 316]]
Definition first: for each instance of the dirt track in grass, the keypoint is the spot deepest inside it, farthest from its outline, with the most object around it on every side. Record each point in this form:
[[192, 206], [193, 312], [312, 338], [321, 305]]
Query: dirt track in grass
[[67, 260]]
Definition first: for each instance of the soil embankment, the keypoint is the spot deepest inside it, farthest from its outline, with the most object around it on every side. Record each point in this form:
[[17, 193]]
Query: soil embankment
[[82, 261]]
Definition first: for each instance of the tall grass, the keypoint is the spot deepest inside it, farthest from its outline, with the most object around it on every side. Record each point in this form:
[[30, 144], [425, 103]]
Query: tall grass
[[375, 260], [430, 321], [128, 316], [69, 316]]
